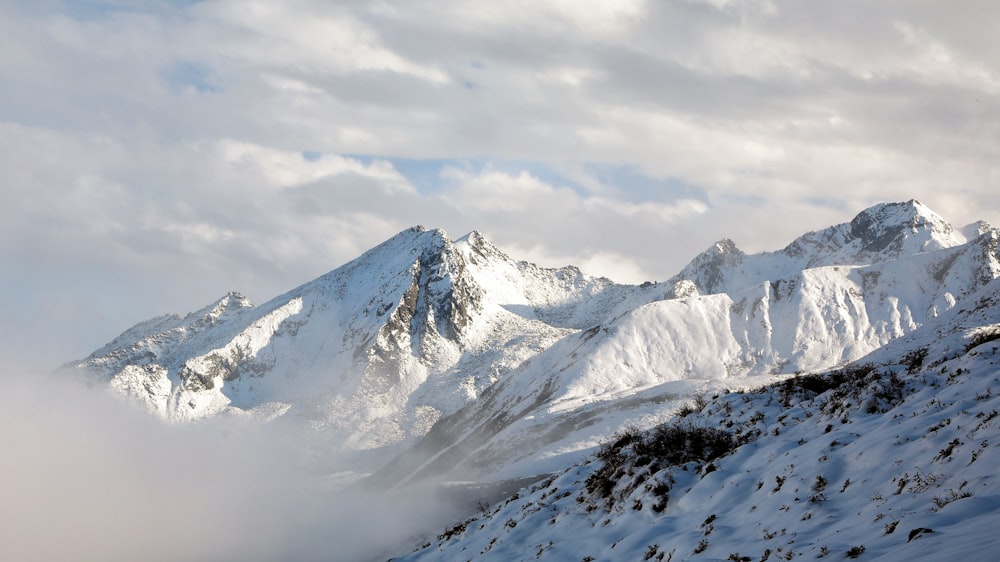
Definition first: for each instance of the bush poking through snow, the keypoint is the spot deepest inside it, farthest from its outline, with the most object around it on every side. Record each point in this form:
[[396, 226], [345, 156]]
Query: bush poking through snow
[[851, 385], [672, 444], [983, 336], [914, 360]]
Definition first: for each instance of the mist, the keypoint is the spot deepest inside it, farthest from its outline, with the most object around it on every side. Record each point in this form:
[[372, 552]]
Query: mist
[[87, 477]]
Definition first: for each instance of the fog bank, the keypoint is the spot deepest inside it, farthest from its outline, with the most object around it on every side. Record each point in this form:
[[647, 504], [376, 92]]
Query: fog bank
[[86, 477]]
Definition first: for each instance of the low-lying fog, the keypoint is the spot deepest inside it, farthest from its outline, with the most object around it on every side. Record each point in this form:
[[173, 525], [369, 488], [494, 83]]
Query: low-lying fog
[[86, 477]]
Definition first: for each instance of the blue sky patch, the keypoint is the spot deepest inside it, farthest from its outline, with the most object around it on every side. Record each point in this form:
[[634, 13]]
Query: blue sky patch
[[99, 9], [631, 184], [184, 76], [626, 182]]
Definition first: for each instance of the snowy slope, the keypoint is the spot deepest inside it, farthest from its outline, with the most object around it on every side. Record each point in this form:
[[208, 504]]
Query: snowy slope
[[638, 368], [889, 458]]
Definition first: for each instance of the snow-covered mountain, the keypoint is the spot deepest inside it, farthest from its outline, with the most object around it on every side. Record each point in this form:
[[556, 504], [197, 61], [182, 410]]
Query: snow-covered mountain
[[466, 359], [892, 458], [369, 356], [802, 309], [882, 233]]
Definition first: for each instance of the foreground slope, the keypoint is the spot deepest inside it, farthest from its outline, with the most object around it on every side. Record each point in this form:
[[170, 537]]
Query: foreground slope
[[889, 458]]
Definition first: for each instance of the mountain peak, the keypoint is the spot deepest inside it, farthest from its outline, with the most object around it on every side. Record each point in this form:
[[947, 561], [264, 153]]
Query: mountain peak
[[421, 232], [709, 269], [398, 252], [229, 304], [909, 227], [480, 249], [883, 232], [724, 246], [904, 213], [475, 238]]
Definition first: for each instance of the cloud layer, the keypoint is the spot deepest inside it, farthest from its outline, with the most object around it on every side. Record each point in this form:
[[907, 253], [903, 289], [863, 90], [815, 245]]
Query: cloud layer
[[156, 154], [92, 479]]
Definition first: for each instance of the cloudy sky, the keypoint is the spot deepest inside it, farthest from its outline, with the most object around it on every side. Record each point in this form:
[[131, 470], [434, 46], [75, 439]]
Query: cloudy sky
[[156, 154]]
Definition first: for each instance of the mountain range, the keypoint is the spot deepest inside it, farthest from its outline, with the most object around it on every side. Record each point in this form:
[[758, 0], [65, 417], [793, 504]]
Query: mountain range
[[427, 352], [822, 364]]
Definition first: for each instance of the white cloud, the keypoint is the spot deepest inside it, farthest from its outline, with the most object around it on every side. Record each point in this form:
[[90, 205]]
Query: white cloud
[[556, 226], [934, 61], [288, 169], [590, 18], [665, 212], [617, 267], [153, 152], [498, 192], [305, 36]]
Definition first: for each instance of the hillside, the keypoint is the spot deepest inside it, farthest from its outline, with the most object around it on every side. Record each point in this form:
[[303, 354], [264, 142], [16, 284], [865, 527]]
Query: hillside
[[889, 458]]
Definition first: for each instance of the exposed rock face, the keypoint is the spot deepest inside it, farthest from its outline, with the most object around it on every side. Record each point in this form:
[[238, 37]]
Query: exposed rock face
[[440, 303], [709, 269]]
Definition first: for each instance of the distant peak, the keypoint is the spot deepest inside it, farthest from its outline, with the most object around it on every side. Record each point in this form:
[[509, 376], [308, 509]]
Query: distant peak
[[886, 224], [724, 246], [707, 272], [476, 239], [225, 307], [976, 229], [906, 213], [724, 250], [398, 252], [480, 247], [232, 300], [888, 216], [417, 236]]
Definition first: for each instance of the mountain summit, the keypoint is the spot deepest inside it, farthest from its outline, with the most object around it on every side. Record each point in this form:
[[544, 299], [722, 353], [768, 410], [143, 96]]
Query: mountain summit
[[882, 233], [902, 228], [464, 357]]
